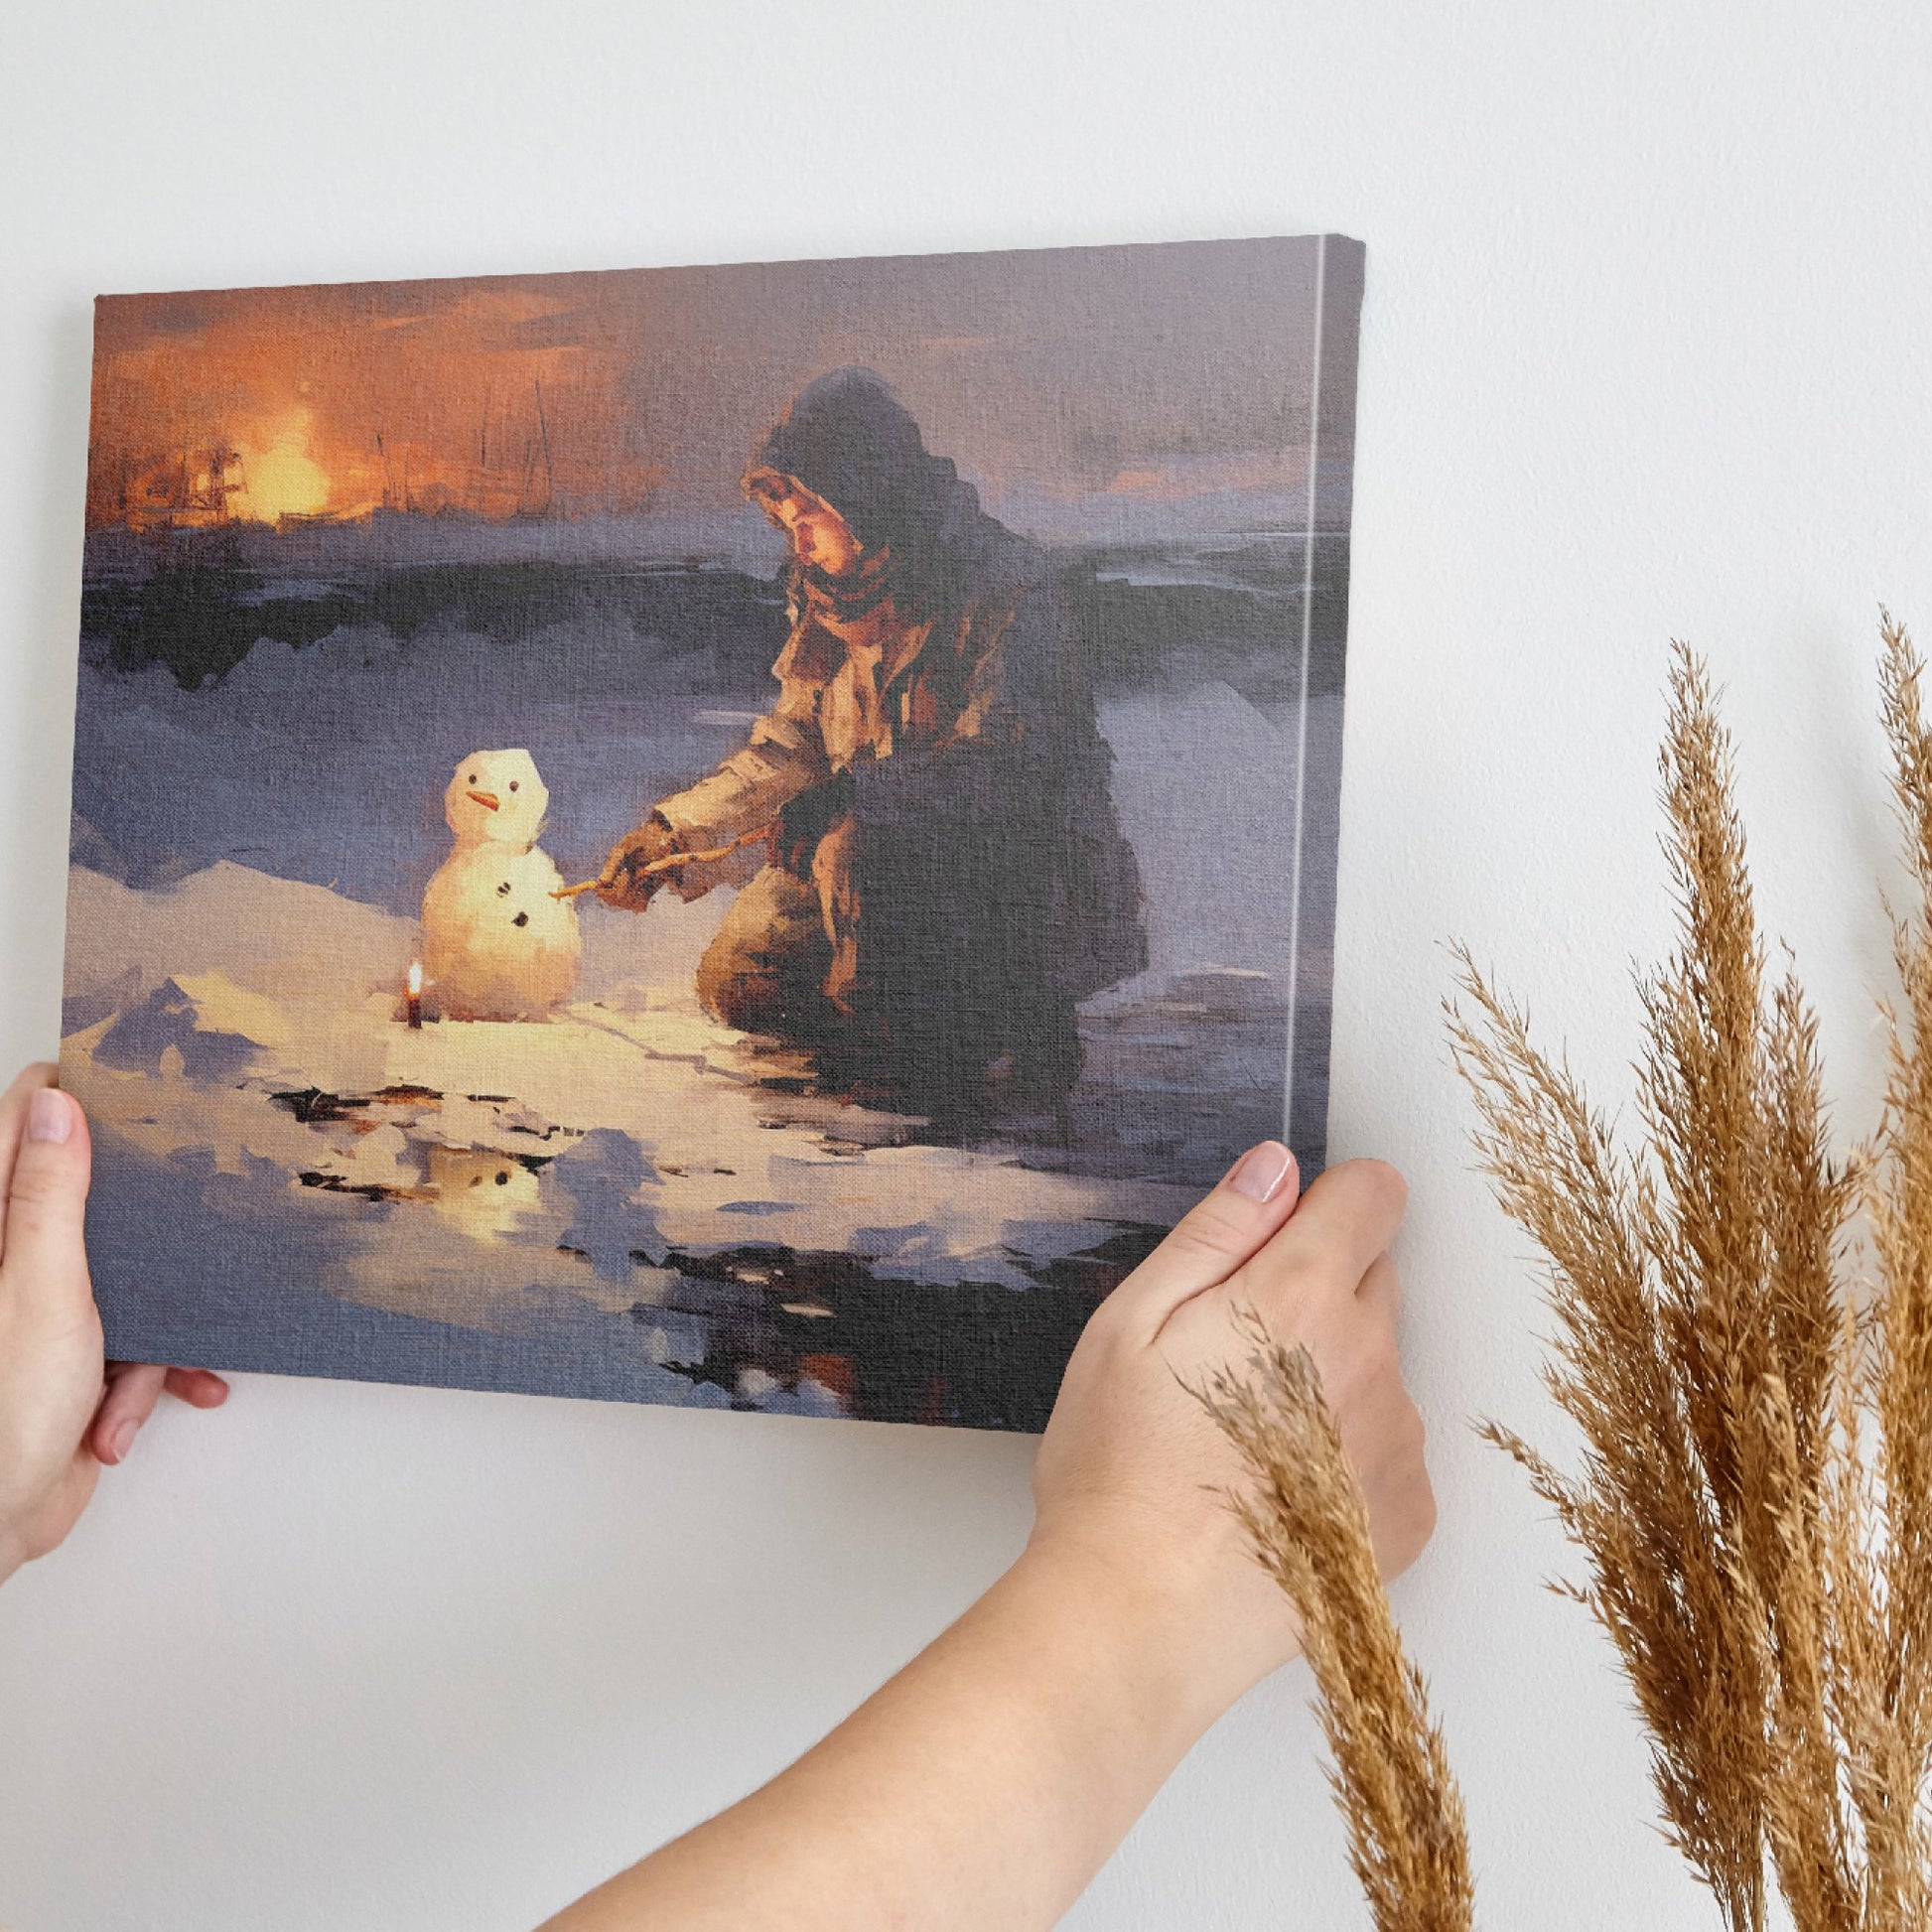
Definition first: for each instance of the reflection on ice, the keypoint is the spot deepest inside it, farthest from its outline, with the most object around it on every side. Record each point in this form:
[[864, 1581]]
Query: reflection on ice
[[483, 1191], [609, 1226], [628, 1197]]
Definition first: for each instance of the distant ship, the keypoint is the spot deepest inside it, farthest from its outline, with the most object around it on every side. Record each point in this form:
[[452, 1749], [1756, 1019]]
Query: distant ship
[[188, 492]]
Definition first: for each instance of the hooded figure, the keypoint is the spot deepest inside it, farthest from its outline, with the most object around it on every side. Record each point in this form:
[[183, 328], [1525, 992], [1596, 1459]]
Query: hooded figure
[[946, 875]]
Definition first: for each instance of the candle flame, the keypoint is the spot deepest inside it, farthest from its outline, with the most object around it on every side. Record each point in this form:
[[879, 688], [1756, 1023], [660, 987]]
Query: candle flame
[[415, 977]]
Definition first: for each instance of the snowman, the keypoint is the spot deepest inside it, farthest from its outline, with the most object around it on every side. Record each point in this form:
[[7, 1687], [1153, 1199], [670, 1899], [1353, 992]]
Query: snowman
[[495, 944]]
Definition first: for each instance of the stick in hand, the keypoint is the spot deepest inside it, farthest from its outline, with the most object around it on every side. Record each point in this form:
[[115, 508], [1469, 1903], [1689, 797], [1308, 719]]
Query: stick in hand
[[672, 859]]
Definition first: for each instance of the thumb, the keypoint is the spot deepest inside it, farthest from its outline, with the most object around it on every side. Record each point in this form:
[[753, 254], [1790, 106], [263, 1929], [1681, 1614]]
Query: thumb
[[45, 1261], [1214, 1238]]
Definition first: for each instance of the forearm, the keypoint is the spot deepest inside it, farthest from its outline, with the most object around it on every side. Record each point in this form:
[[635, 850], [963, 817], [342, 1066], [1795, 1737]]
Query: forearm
[[983, 1786], [750, 787]]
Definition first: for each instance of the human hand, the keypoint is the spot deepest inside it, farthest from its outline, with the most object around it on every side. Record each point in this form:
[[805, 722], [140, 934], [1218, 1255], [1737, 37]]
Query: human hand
[[64, 1411], [623, 881], [1128, 1480], [1043, 1719]]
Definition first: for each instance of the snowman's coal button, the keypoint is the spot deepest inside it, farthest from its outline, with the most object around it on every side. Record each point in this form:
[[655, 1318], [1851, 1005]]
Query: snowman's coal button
[[522, 918], [503, 891]]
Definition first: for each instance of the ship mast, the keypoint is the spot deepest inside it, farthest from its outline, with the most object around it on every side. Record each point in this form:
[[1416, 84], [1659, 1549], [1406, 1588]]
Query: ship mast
[[222, 457], [549, 476]]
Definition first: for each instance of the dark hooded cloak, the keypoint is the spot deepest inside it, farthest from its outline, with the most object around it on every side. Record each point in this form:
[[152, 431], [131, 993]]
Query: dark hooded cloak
[[992, 884]]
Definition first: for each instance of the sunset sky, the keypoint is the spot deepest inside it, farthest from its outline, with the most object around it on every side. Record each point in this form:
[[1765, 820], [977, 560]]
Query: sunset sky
[[1160, 370]]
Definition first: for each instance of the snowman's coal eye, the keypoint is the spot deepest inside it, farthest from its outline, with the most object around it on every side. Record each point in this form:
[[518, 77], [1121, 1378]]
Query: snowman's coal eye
[[502, 1180], [471, 779], [512, 784]]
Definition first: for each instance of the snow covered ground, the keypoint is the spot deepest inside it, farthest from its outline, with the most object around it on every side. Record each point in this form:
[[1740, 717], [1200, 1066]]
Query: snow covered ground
[[628, 1197]]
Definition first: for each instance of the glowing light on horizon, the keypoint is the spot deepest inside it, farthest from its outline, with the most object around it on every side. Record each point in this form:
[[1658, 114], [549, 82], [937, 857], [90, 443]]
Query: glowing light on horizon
[[284, 479]]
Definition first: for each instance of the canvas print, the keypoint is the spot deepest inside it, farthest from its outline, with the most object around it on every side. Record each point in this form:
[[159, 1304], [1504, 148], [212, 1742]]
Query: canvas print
[[744, 837]]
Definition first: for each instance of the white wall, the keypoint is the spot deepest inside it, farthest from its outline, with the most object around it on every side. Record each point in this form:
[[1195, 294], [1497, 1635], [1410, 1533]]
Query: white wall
[[1643, 353]]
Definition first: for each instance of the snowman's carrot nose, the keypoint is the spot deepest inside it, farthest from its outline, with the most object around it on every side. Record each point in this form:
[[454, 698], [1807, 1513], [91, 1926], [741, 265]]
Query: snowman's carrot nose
[[489, 798]]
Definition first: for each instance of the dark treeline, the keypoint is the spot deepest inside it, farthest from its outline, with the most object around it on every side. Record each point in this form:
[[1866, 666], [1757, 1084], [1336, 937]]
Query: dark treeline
[[200, 614]]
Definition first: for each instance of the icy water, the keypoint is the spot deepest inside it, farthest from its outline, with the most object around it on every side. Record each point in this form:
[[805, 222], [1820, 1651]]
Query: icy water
[[626, 1201]]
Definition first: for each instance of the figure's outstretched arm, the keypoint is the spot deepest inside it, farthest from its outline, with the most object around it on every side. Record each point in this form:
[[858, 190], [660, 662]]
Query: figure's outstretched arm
[[750, 787], [783, 758], [991, 1777]]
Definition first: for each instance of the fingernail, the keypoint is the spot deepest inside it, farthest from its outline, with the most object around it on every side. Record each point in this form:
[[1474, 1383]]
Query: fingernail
[[1262, 1170], [50, 1115], [122, 1440]]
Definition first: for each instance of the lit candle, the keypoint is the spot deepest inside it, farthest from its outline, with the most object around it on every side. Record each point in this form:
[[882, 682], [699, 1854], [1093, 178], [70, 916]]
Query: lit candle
[[415, 995]]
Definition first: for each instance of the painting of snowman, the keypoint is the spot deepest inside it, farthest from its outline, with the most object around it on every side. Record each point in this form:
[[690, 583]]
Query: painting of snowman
[[745, 836], [499, 942]]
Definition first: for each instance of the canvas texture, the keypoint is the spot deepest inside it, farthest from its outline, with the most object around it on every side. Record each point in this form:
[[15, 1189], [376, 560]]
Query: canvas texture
[[744, 837]]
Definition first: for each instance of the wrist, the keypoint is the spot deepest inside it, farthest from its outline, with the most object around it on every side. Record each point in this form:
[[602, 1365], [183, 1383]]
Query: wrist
[[1165, 1642]]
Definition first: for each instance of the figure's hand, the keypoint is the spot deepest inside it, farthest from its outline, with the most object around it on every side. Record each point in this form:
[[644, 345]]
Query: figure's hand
[[64, 1412], [1130, 1476], [623, 883]]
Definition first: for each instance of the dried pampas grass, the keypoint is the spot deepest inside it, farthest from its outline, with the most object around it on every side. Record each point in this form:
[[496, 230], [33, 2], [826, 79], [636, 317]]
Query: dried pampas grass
[[1307, 1519], [1755, 1496], [1753, 1391]]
